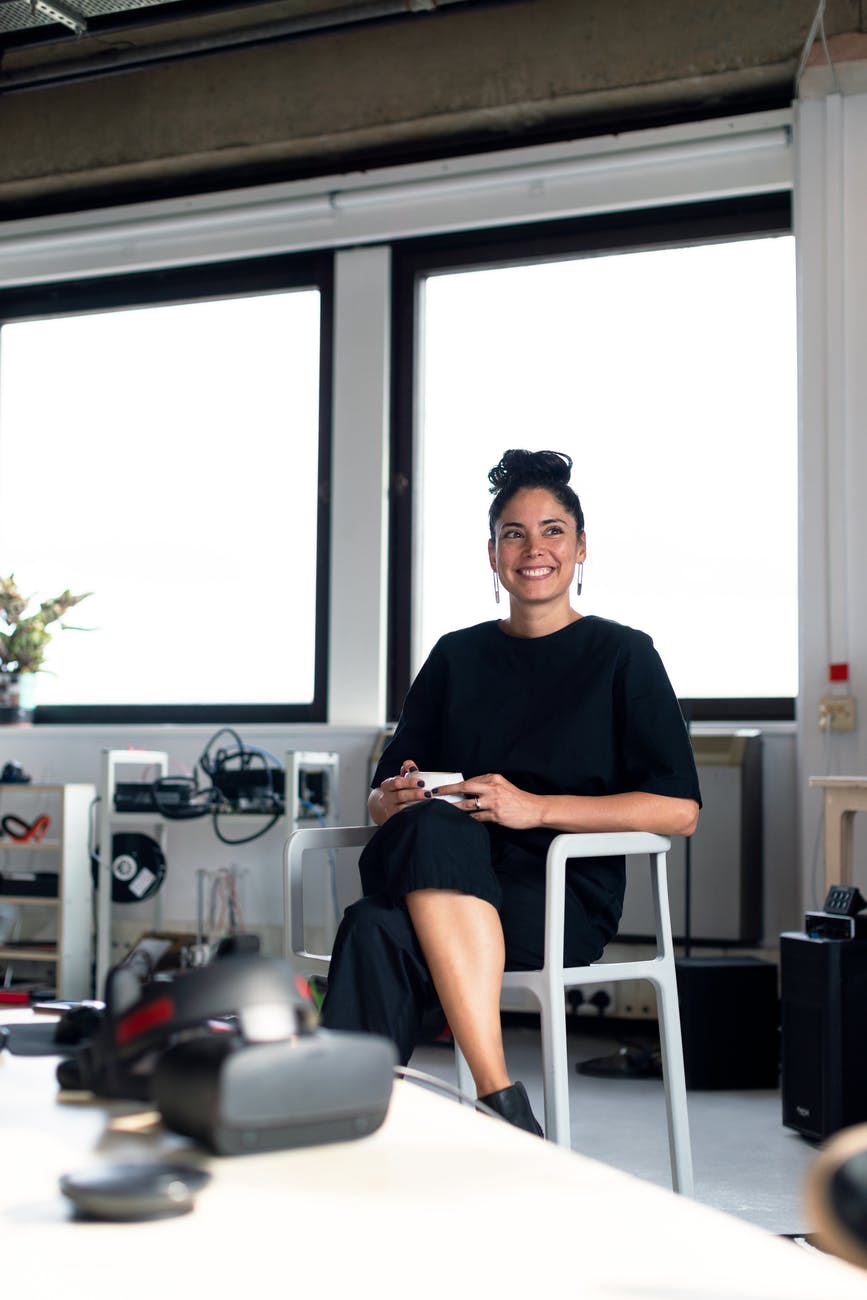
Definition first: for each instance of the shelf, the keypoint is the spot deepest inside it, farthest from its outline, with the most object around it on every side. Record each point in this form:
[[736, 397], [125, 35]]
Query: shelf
[[162, 819], [30, 900], [60, 934], [29, 846], [27, 787], [48, 953]]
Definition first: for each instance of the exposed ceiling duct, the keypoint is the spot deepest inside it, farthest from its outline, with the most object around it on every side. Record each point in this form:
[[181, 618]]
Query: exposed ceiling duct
[[125, 58]]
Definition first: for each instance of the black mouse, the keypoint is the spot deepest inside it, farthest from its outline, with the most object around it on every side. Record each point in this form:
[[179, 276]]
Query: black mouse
[[77, 1024]]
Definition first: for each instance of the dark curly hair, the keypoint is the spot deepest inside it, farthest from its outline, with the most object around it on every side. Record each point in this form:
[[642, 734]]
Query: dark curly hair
[[519, 469]]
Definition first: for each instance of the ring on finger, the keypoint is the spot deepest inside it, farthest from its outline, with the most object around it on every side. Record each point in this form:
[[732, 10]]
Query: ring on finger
[[478, 804]]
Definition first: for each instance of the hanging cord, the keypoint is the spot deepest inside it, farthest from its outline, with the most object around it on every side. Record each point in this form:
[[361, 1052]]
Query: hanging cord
[[817, 28], [225, 916]]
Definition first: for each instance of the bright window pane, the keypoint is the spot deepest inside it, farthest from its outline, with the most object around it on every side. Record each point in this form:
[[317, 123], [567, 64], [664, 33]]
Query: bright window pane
[[670, 378], [164, 458]]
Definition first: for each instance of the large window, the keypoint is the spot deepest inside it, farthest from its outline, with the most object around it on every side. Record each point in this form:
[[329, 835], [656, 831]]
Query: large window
[[167, 456], [668, 373]]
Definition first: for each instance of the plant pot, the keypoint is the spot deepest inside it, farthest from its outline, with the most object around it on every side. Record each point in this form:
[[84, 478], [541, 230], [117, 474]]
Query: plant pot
[[17, 698]]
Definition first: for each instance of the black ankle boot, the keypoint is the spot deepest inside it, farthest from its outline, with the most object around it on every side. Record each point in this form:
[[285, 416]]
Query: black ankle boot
[[513, 1105]]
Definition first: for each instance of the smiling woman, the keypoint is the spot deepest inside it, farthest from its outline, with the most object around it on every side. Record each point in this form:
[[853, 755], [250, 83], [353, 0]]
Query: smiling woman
[[559, 723]]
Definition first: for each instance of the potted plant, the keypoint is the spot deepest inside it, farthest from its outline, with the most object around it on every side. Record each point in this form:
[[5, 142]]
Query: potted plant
[[24, 638]]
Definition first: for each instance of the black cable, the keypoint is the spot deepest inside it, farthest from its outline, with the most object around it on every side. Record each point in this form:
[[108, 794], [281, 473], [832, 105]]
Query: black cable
[[246, 839], [440, 1085]]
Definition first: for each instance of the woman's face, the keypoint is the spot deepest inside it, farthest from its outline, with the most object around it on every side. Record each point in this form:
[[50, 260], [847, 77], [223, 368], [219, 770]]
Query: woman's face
[[536, 547]]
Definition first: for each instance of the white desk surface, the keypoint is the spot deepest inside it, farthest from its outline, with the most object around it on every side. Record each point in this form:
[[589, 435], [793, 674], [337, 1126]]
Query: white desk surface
[[440, 1202]]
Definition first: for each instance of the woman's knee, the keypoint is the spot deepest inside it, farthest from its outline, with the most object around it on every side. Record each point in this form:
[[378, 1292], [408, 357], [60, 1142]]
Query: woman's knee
[[374, 923]]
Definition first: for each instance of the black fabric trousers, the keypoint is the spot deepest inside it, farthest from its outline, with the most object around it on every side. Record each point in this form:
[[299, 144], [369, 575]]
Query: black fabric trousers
[[378, 979]]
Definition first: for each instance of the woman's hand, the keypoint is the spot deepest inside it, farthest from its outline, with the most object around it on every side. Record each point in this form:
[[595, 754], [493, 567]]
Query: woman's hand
[[396, 793], [491, 798]]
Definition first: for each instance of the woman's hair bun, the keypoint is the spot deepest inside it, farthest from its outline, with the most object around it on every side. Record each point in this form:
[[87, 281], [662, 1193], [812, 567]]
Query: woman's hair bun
[[518, 467]]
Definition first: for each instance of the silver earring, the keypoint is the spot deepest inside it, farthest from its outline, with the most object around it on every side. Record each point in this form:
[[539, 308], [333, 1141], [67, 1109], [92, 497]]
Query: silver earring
[[579, 576], [496, 586]]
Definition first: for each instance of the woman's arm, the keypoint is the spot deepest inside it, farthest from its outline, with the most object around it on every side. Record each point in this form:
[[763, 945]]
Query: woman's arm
[[500, 801], [635, 811]]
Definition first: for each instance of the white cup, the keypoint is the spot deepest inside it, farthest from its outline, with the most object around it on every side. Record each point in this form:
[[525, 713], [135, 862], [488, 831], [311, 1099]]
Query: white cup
[[432, 780]]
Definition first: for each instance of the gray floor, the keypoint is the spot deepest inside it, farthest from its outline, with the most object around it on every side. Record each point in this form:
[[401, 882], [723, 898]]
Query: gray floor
[[746, 1162]]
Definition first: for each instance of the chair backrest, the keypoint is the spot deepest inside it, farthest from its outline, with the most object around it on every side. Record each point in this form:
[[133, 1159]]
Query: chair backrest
[[321, 839]]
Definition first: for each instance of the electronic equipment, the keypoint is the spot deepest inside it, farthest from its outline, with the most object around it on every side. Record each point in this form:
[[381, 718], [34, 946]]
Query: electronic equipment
[[839, 918], [827, 925], [29, 884], [237, 1099], [844, 900], [138, 867], [152, 1189], [172, 796], [232, 1056], [824, 1047], [312, 778], [14, 774], [729, 1013], [251, 789]]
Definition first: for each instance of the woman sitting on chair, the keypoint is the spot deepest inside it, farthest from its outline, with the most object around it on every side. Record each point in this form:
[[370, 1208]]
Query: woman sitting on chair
[[559, 722]]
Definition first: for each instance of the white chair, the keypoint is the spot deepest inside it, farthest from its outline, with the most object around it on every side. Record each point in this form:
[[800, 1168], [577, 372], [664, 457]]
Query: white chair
[[548, 985]]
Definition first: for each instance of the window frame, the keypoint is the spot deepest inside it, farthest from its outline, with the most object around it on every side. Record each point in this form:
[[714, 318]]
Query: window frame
[[676, 225], [189, 284]]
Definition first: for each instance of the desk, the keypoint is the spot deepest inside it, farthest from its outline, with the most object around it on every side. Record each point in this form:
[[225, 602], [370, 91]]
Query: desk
[[441, 1202], [844, 796]]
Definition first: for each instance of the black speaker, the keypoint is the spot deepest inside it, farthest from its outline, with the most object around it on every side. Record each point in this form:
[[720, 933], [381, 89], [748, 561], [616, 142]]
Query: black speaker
[[824, 1018], [729, 1016]]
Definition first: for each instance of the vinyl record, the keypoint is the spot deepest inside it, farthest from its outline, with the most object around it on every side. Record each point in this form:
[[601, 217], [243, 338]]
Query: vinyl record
[[138, 867]]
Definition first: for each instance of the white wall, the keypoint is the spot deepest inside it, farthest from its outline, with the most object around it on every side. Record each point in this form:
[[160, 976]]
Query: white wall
[[830, 222]]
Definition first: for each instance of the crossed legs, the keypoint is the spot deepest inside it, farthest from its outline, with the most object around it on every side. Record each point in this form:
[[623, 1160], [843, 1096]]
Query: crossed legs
[[462, 940]]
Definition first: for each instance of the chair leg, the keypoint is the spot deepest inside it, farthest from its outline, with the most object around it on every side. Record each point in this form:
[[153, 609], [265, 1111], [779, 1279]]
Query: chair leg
[[555, 1066], [674, 1080]]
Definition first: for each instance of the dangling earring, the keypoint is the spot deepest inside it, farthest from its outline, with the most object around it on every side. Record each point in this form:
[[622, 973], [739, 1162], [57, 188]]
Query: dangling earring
[[579, 576], [496, 586]]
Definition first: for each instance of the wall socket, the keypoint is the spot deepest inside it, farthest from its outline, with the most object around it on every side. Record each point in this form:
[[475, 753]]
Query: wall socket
[[837, 713]]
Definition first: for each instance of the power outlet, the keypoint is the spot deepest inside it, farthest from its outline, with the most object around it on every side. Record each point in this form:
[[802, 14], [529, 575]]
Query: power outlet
[[837, 713]]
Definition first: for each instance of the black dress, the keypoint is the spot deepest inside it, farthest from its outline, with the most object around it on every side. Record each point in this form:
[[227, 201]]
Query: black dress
[[588, 710]]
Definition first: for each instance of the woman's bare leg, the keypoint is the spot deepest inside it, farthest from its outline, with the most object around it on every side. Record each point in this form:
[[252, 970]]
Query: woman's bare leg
[[462, 941]]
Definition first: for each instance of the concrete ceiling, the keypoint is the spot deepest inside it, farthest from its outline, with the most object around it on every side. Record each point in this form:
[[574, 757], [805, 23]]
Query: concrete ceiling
[[179, 96]]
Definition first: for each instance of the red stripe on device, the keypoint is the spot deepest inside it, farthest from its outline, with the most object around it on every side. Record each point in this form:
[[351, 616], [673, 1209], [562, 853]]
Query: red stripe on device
[[145, 1018]]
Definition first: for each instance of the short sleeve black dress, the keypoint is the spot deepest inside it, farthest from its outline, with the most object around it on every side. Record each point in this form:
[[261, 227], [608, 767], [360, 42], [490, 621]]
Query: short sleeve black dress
[[588, 710]]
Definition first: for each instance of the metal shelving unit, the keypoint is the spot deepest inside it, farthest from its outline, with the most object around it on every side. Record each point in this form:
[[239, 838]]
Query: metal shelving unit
[[65, 852], [310, 793], [109, 821]]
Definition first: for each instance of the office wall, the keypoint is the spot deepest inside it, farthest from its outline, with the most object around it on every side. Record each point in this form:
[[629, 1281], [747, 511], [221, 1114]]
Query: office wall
[[830, 132]]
